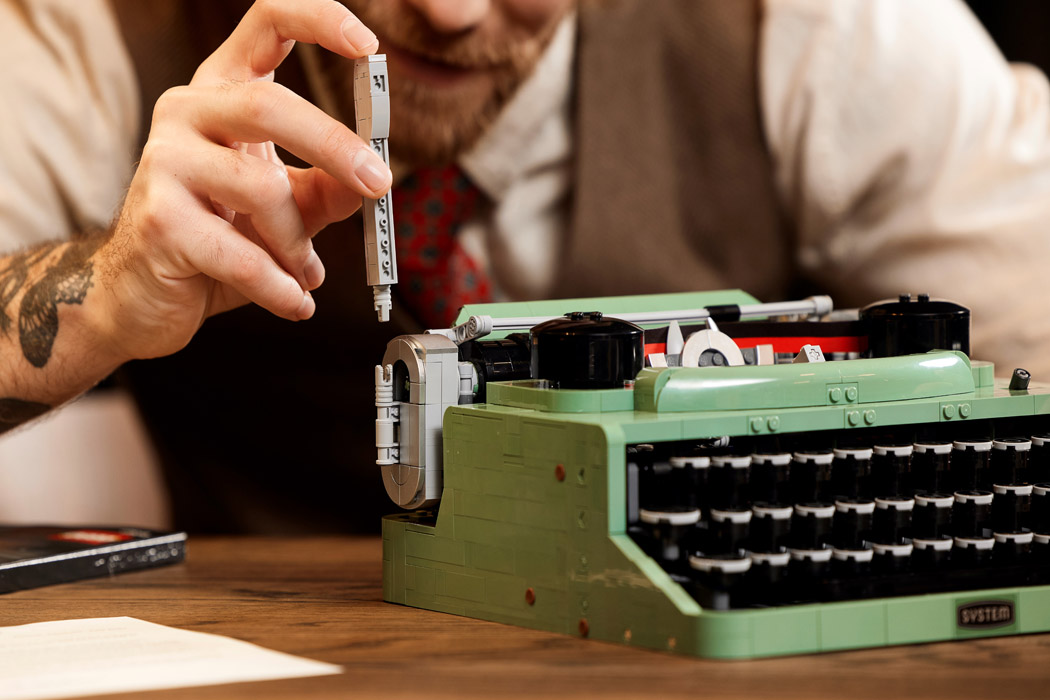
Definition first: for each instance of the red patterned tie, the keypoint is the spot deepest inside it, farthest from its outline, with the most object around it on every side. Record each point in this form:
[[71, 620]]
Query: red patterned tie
[[437, 276]]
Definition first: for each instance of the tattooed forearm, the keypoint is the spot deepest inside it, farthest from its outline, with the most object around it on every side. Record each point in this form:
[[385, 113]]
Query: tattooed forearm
[[65, 282], [13, 278], [15, 412]]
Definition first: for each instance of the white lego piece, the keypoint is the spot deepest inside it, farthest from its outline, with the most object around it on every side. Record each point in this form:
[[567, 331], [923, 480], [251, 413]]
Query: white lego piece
[[656, 359], [387, 415], [372, 104], [808, 353], [675, 344], [764, 355], [712, 340]]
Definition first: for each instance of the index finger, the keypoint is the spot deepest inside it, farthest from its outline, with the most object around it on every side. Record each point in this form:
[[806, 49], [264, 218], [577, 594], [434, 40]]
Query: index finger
[[267, 32]]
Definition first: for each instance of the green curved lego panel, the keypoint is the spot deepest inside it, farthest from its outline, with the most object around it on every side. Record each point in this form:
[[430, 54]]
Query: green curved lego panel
[[877, 380]]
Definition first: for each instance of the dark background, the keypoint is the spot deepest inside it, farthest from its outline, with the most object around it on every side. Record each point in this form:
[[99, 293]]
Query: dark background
[[1020, 27]]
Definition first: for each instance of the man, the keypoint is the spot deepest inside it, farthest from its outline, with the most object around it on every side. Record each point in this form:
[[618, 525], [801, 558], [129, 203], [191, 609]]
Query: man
[[599, 148]]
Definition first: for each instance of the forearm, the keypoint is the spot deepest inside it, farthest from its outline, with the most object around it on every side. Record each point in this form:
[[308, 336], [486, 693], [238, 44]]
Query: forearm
[[54, 342]]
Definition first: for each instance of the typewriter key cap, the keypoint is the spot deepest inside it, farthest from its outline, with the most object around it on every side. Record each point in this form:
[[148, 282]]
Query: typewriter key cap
[[972, 552], [1012, 547], [729, 530], [808, 564], [669, 529], [1039, 459], [891, 523], [811, 525], [1011, 507], [931, 554], [769, 478], [850, 472], [972, 513], [690, 476], [970, 464], [769, 569], [851, 525], [719, 572], [891, 558], [1041, 548], [770, 527], [1009, 460], [930, 467], [728, 481], [1040, 515], [891, 471], [932, 518], [848, 563], [811, 476]]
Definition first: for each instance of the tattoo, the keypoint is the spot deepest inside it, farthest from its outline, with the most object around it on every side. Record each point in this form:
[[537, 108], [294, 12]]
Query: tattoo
[[65, 282], [15, 412], [13, 278]]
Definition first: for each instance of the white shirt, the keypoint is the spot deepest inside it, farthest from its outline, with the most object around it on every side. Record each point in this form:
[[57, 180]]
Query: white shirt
[[902, 142]]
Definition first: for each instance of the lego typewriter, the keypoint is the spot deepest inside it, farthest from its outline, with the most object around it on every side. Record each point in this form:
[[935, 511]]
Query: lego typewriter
[[709, 475]]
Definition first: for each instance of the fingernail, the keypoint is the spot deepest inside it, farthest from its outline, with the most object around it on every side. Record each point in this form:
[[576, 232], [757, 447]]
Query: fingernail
[[307, 308], [359, 36], [314, 271], [373, 172]]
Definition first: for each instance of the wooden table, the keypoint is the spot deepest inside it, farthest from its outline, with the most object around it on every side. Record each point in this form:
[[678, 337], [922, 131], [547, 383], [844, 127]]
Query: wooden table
[[321, 598]]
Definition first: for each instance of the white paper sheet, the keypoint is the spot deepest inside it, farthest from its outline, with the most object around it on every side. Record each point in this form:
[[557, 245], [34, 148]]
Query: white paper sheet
[[73, 658]]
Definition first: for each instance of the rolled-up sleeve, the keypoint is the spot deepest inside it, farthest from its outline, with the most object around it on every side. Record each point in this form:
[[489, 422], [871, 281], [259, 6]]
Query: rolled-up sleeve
[[914, 158], [68, 119]]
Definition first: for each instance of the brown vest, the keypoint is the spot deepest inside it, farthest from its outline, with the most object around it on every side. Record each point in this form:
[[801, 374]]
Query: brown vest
[[267, 426]]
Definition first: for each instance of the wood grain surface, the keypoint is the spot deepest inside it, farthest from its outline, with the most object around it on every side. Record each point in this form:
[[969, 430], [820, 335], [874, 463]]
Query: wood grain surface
[[321, 598]]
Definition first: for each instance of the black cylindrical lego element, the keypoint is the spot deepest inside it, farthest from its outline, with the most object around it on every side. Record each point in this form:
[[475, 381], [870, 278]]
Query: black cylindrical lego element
[[585, 350], [930, 465], [971, 464], [1009, 460], [908, 327]]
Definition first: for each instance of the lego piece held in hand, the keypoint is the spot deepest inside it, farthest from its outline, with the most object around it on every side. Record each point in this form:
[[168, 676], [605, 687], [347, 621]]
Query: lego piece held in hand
[[372, 104]]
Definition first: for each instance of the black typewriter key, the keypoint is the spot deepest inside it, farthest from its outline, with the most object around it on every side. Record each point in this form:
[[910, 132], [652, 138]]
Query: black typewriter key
[[811, 476], [930, 467], [932, 517], [1041, 548], [811, 525], [668, 530], [891, 523], [1009, 460], [808, 564], [972, 552], [972, 513], [1039, 459], [728, 530], [1041, 509], [891, 471], [770, 527], [1011, 508], [719, 572], [1012, 547], [769, 569], [689, 475], [848, 563], [850, 473], [728, 481], [970, 464], [891, 558], [851, 524], [931, 554], [769, 478]]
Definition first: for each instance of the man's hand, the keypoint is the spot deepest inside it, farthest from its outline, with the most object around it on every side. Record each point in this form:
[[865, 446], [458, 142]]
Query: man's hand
[[213, 219]]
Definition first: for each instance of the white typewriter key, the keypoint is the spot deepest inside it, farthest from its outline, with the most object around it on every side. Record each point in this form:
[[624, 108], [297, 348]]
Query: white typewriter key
[[972, 552], [811, 525], [1012, 547], [929, 554], [1009, 460], [769, 478], [850, 472], [972, 513], [851, 524], [809, 564], [1040, 515], [1039, 459], [847, 563], [811, 476], [891, 523], [892, 558], [971, 464], [1011, 507], [770, 527], [930, 467], [932, 517], [891, 471]]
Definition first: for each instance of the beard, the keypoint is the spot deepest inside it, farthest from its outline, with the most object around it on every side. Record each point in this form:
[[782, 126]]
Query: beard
[[432, 122]]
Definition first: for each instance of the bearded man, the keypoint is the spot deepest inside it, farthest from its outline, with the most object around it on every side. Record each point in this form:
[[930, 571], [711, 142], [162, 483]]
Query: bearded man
[[540, 148]]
